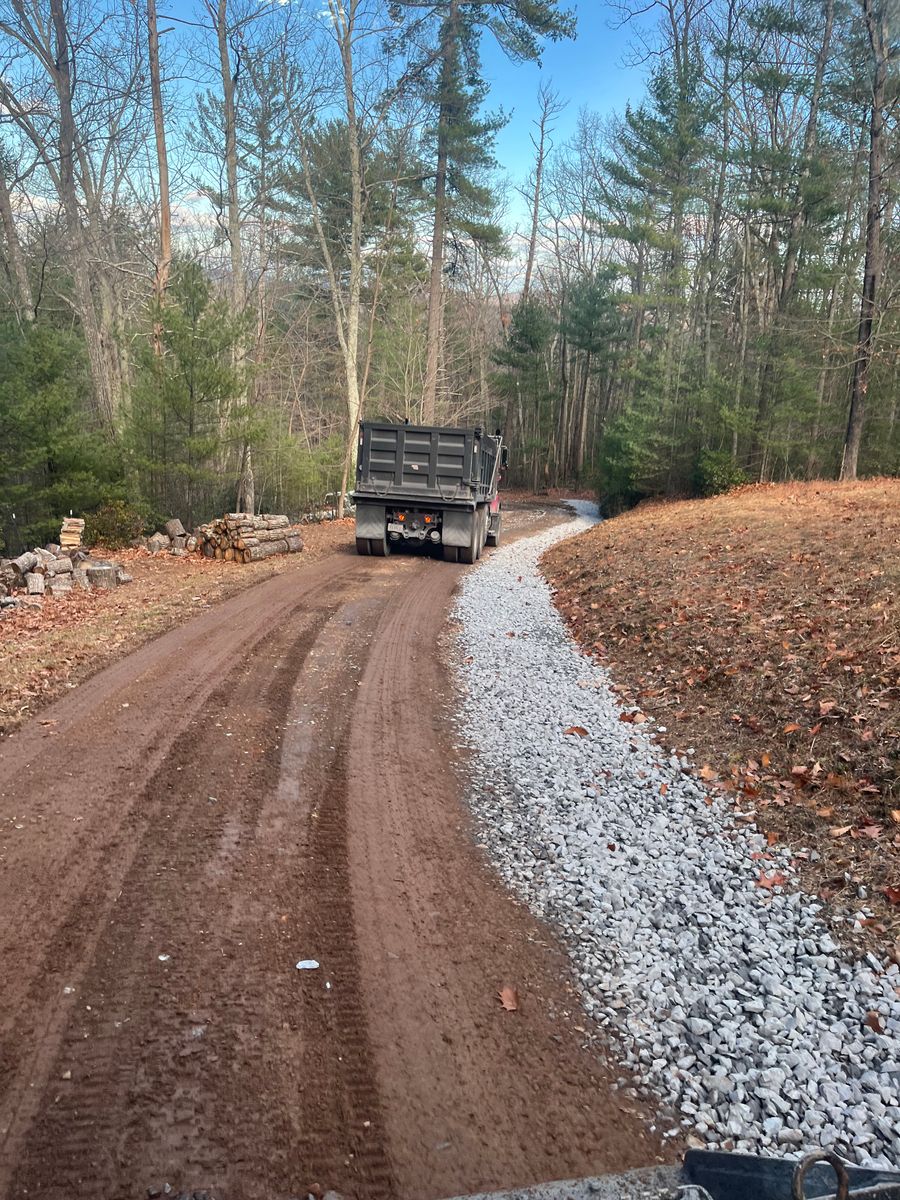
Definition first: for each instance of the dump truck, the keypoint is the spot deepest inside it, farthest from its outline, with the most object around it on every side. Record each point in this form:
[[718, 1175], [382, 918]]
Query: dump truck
[[426, 485]]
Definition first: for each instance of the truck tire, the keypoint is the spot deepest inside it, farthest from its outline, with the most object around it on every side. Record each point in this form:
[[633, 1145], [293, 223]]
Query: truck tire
[[380, 547], [477, 534], [450, 553], [362, 546], [469, 554], [482, 528]]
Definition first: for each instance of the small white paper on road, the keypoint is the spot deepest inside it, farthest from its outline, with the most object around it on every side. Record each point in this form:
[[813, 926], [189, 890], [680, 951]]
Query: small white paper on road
[[307, 964]]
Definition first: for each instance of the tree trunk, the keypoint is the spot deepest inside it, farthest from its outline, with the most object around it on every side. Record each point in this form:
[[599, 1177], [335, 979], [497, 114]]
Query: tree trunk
[[219, 16], [164, 260], [876, 27], [550, 105], [449, 50], [844, 267], [24, 300], [800, 214], [106, 397]]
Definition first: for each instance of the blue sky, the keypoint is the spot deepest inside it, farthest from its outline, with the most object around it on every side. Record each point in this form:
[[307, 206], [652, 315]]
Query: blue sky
[[591, 72]]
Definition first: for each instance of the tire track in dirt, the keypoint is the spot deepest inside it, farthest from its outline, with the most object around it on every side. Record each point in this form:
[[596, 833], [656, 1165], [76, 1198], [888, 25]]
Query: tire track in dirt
[[70, 778], [162, 832]]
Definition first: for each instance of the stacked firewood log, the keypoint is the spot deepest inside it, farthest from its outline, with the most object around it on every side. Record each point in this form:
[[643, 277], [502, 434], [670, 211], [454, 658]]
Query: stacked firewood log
[[245, 538], [52, 570]]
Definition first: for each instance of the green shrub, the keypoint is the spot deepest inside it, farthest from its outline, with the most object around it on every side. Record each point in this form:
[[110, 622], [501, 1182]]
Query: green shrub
[[113, 524], [716, 472]]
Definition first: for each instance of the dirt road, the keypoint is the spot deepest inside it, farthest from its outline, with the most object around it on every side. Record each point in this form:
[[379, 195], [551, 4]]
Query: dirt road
[[276, 781]]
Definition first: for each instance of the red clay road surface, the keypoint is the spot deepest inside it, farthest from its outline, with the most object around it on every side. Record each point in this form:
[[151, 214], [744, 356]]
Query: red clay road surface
[[275, 781]]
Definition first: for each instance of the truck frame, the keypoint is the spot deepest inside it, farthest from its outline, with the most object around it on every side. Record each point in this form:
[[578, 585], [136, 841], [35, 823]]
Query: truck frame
[[428, 485]]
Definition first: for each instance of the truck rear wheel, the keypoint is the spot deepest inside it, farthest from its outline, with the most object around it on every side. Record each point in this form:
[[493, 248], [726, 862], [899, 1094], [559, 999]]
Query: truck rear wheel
[[362, 546], [483, 522], [450, 553], [380, 547], [469, 554], [493, 537]]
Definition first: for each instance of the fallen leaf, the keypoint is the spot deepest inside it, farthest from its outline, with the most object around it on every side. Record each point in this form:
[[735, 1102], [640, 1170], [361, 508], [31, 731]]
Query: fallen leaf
[[509, 998], [824, 812], [825, 707], [892, 893], [663, 788], [707, 772], [874, 1021], [839, 830], [579, 730], [771, 838], [766, 759], [776, 879], [791, 727], [871, 831], [895, 815]]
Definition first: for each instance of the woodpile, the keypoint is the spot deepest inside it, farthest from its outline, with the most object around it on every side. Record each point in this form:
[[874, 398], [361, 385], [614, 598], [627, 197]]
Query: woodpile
[[71, 533], [54, 570], [245, 538], [175, 540]]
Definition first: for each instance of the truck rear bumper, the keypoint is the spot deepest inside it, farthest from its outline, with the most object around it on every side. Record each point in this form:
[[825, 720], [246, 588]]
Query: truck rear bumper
[[455, 524]]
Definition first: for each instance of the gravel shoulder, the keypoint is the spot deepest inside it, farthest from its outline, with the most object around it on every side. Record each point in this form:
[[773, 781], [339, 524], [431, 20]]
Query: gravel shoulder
[[693, 943]]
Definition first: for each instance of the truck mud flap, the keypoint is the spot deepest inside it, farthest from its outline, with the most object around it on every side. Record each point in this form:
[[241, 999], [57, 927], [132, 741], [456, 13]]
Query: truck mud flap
[[370, 520], [457, 527]]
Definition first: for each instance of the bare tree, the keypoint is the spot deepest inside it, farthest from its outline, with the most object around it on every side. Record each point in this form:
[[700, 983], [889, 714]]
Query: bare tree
[[164, 258], [449, 55], [550, 106], [883, 50], [24, 299], [73, 93]]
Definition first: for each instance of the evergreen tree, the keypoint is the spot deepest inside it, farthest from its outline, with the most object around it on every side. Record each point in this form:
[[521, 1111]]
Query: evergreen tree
[[528, 384], [189, 417], [462, 139], [52, 457]]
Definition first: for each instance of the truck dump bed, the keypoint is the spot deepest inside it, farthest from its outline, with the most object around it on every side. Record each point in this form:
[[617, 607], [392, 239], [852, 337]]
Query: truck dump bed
[[425, 463]]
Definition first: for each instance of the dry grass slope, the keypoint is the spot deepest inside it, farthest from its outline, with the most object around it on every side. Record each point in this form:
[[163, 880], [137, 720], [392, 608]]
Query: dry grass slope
[[762, 628]]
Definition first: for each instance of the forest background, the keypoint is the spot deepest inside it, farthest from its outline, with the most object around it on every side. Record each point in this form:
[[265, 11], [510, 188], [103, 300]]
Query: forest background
[[230, 231]]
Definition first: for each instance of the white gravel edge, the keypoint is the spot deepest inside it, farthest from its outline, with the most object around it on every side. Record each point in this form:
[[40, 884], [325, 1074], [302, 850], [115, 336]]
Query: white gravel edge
[[732, 1004]]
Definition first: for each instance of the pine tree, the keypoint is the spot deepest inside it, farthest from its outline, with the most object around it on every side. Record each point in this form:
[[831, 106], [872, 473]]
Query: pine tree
[[462, 139], [189, 417]]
